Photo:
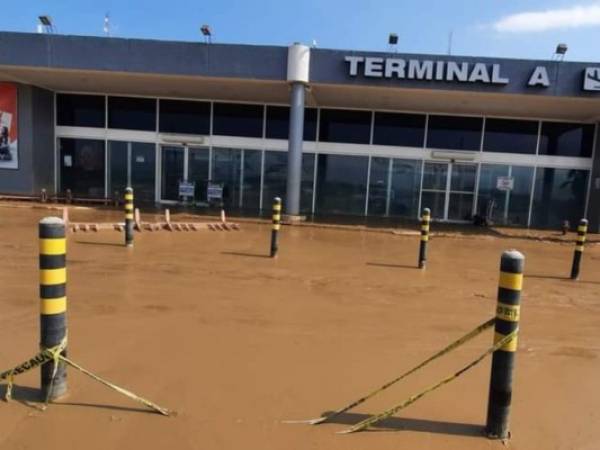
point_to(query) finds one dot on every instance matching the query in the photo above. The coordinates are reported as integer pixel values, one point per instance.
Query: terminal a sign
(452, 71)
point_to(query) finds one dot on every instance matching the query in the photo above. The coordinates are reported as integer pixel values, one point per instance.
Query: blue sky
(509, 28)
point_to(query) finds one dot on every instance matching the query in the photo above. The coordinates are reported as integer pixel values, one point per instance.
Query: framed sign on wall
(9, 155)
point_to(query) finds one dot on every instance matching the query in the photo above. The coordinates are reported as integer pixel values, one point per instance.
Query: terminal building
(332, 132)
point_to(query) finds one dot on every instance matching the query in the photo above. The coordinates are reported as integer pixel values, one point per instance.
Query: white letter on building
(496, 77)
(394, 66)
(420, 70)
(454, 71)
(539, 77)
(439, 70)
(479, 73)
(354, 61)
(374, 67)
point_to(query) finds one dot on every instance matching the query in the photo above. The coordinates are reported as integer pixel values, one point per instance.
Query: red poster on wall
(9, 157)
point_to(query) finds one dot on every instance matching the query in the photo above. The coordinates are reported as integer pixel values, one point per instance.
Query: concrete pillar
(298, 77)
(593, 206)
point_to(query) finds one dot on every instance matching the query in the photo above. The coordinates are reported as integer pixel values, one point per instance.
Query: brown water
(205, 324)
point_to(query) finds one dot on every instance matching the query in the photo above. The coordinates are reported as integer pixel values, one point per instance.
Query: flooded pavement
(206, 324)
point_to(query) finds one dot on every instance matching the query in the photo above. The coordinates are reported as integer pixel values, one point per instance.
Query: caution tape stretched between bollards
(54, 354)
(454, 345)
(384, 415)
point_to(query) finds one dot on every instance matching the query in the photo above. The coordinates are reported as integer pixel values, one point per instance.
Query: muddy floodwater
(205, 324)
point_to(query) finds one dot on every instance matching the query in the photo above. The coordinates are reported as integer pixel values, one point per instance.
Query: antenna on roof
(106, 26)
(450, 36)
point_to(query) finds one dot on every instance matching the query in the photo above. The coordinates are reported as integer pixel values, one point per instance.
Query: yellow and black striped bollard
(425, 221)
(581, 234)
(507, 321)
(53, 301)
(276, 226)
(129, 217)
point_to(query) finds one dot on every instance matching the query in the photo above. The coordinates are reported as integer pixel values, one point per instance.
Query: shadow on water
(417, 425)
(393, 266)
(108, 244)
(248, 255)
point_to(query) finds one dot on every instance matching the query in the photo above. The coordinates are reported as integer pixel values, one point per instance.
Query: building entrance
(449, 190)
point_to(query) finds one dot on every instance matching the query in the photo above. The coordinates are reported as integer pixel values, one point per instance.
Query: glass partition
(378, 186)
(559, 194)
(226, 166)
(251, 181)
(405, 188)
(198, 164)
(82, 167)
(341, 184)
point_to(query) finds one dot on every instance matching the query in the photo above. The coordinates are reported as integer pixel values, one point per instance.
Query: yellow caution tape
(454, 345)
(384, 415)
(54, 354)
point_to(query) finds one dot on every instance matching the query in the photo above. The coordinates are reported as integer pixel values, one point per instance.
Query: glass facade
(232, 119)
(404, 130)
(454, 132)
(566, 139)
(177, 116)
(345, 126)
(341, 184)
(333, 182)
(80, 110)
(82, 167)
(559, 194)
(510, 136)
(132, 113)
(132, 164)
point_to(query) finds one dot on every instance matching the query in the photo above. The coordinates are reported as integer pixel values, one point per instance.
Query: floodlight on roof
(561, 49)
(393, 39)
(45, 20)
(205, 29)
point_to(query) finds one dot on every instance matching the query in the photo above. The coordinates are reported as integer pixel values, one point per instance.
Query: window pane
(460, 206)
(172, 171)
(463, 177)
(80, 110)
(399, 129)
(559, 195)
(177, 116)
(435, 201)
(378, 186)
(198, 171)
(491, 201)
(118, 178)
(82, 167)
(231, 119)
(406, 182)
(341, 184)
(275, 179)
(131, 113)
(435, 176)
(133, 168)
(251, 186)
(339, 125)
(454, 132)
(511, 136)
(278, 123)
(226, 165)
(519, 197)
(566, 139)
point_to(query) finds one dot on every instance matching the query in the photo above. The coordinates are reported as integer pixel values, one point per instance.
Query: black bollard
(507, 321)
(129, 217)
(276, 226)
(425, 221)
(53, 301)
(581, 234)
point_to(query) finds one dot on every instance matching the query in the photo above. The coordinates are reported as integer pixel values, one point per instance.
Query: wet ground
(205, 324)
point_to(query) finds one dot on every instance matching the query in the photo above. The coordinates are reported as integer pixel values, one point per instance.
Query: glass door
(172, 171)
(448, 190)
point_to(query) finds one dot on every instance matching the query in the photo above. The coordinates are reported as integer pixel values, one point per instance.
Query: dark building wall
(593, 211)
(35, 110)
